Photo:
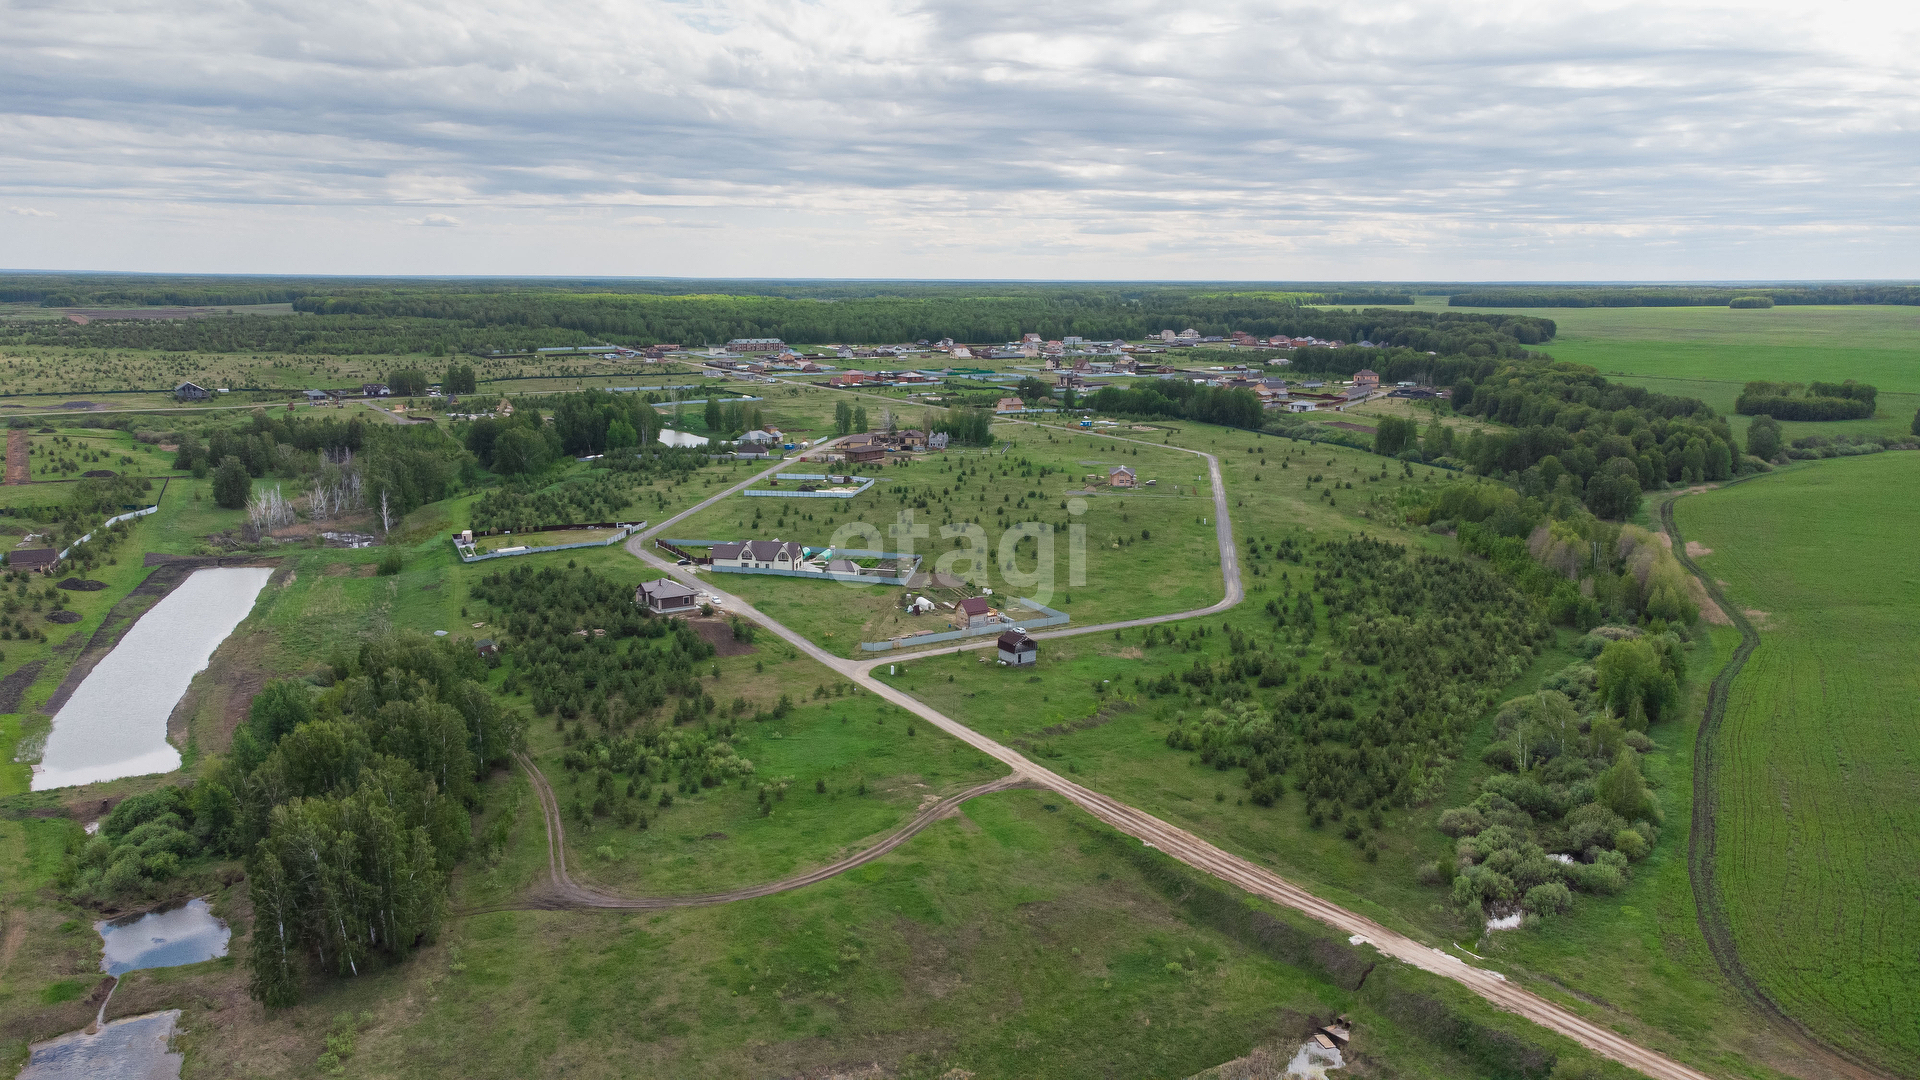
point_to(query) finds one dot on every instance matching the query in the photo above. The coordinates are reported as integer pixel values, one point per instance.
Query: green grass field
(1819, 758)
(1710, 352)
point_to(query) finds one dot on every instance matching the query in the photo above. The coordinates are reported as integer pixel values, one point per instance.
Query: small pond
(115, 724)
(186, 934)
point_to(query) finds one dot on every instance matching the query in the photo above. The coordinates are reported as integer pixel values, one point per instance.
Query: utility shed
(1017, 648)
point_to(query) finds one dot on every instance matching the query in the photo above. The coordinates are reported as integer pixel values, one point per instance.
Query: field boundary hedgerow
(1715, 927)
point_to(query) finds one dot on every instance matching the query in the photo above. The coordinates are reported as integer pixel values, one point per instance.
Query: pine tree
(231, 484)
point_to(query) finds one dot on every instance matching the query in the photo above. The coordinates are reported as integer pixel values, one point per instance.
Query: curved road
(1173, 841)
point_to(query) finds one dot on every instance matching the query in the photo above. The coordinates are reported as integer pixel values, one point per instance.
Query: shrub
(1750, 302)
(1552, 898)
(1631, 844)
(390, 562)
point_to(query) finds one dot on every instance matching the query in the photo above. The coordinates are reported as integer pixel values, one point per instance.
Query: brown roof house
(1121, 476)
(1017, 648)
(1010, 404)
(32, 558)
(664, 596)
(977, 611)
(863, 448)
(1366, 379)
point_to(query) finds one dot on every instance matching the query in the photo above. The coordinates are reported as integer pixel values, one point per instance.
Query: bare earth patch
(719, 634)
(1695, 549)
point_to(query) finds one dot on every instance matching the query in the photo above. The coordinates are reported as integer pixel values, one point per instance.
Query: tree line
(1820, 401)
(413, 320)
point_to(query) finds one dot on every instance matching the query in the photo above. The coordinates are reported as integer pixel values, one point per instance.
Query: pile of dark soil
(63, 616)
(74, 584)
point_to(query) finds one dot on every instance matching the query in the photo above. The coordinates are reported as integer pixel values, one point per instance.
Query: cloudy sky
(963, 138)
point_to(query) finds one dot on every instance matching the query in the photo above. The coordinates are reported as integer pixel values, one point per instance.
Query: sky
(1129, 139)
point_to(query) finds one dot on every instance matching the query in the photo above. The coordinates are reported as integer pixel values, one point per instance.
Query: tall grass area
(1818, 752)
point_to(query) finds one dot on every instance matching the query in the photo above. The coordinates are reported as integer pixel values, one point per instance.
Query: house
(664, 596)
(1017, 648)
(1366, 379)
(32, 559)
(913, 439)
(756, 345)
(187, 391)
(1009, 404)
(505, 408)
(760, 438)
(760, 555)
(863, 448)
(1120, 476)
(1300, 406)
(977, 612)
(315, 397)
(487, 648)
(842, 566)
(374, 389)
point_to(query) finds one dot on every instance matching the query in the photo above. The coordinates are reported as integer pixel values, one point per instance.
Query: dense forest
(148, 290)
(1608, 442)
(417, 318)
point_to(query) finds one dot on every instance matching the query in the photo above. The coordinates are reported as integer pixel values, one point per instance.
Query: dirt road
(564, 893)
(17, 457)
(1181, 844)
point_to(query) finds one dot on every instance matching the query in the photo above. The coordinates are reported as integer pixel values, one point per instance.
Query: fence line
(625, 531)
(862, 485)
(1052, 618)
(110, 523)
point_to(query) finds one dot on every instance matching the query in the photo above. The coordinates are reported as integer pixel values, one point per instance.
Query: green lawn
(1818, 754)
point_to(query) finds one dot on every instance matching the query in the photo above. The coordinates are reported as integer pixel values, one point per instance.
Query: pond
(115, 724)
(186, 934)
(137, 1048)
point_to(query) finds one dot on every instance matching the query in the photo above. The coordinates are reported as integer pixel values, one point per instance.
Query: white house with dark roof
(760, 555)
(1016, 648)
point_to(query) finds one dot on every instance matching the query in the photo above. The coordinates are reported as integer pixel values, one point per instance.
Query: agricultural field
(1710, 352)
(1816, 753)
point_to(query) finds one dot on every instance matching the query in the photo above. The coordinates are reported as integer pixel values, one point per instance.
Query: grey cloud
(1417, 122)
